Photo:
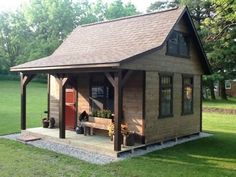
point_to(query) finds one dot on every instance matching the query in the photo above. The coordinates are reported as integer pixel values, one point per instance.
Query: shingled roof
(109, 42)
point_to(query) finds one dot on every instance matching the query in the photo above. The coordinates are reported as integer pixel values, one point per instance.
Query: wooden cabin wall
(160, 129)
(133, 102)
(83, 93)
(54, 99)
(159, 61)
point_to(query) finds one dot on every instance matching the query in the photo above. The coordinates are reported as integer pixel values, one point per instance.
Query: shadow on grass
(218, 151)
(231, 101)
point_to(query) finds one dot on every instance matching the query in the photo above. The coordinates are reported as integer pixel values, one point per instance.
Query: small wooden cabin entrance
(70, 111)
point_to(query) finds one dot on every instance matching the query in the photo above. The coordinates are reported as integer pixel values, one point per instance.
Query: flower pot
(45, 124)
(79, 130)
(128, 140)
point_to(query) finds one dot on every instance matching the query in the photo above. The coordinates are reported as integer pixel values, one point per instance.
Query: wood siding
(133, 102)
(159, 61)
(83, 93)
(54, 99)
(160, 129)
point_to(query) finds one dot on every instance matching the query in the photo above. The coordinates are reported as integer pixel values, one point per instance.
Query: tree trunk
(213, 97)
(222, 90)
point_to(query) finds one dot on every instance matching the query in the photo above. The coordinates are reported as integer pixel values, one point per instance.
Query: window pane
(98, 92)
(165, 102)
(188, 95)
(165, 80)
(183, 45)
(173, 43)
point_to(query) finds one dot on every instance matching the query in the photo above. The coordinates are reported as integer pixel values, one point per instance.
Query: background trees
(215, 21)
(36, 30)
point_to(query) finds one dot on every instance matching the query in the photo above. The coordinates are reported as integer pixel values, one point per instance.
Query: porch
(120, 89)
(97, 143)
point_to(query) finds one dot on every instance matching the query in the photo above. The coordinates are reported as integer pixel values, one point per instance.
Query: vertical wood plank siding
(178, 125)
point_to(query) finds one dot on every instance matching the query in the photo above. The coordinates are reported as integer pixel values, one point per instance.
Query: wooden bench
(96, 122)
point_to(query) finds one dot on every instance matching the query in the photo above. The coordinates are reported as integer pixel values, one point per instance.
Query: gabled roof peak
(129, 17)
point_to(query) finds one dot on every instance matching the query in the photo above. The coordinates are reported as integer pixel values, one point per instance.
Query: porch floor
(95, 143)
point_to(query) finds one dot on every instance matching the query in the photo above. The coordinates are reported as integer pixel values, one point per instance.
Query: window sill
(187, 113)
(166, 116)
(179, 56)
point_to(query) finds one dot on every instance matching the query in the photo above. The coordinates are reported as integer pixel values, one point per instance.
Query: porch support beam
(110, 78)
(201, 97)
(24, 79)
(62, 80)
(117, 109)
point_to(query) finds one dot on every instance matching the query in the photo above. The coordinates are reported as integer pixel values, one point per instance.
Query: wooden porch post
(25, 79)
(48, 94)
(201, 95)
(118, 83)
(117, 110)
(62, 126)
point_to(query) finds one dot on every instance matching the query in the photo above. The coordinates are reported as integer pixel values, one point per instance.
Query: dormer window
(178, 44)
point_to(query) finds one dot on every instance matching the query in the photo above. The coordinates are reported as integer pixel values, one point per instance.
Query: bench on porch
(96, 122)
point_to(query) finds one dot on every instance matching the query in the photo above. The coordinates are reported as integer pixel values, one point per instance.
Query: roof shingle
(111, 41)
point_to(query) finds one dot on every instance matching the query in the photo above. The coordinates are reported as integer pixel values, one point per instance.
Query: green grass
(10, 105)
(214, 156)
(219, 103)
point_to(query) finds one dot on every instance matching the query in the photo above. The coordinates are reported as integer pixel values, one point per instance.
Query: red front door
(70, 109)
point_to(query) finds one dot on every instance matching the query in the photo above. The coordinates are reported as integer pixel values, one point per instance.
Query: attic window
(178, 45)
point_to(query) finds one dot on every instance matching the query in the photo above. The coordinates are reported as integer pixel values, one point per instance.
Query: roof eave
(63, 68)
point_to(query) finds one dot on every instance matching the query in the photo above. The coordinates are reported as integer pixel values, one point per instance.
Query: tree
(14, 34)
(36, 30)
(50, 22)
(160, 5)
(117, 9)
(221, 47)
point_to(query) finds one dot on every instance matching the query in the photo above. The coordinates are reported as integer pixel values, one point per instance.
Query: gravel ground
(99, 158)
(67, 150)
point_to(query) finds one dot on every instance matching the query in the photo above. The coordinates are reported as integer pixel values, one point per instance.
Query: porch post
(48, 94)
(201, 97)
(24, 80)
(62, 86)
(117, 110)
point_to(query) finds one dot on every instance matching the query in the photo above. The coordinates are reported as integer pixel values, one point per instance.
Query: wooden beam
(25, 79)
(49, 87)
(144, 106)
(126, 77)
(62, 89)
(201, 95)
(118, 110)
(110, 78)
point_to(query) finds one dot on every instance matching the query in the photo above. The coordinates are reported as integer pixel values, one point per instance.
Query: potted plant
(111, 131)
(45, 122)
(128, 137)
(108, 114)
(94, 113)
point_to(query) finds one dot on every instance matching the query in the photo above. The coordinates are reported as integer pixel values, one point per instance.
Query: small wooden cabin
(147, 69)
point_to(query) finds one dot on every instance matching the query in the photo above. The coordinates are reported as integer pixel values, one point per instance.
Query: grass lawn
(218, 103)
(213, 156)
(10, 105)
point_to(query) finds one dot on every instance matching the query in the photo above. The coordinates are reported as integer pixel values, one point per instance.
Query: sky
(6, 5)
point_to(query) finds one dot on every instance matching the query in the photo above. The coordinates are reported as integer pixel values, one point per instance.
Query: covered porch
(98, 144)
(116, 77)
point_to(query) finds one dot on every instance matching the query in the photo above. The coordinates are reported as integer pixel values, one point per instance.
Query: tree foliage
(37, 29)
(215, 21)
